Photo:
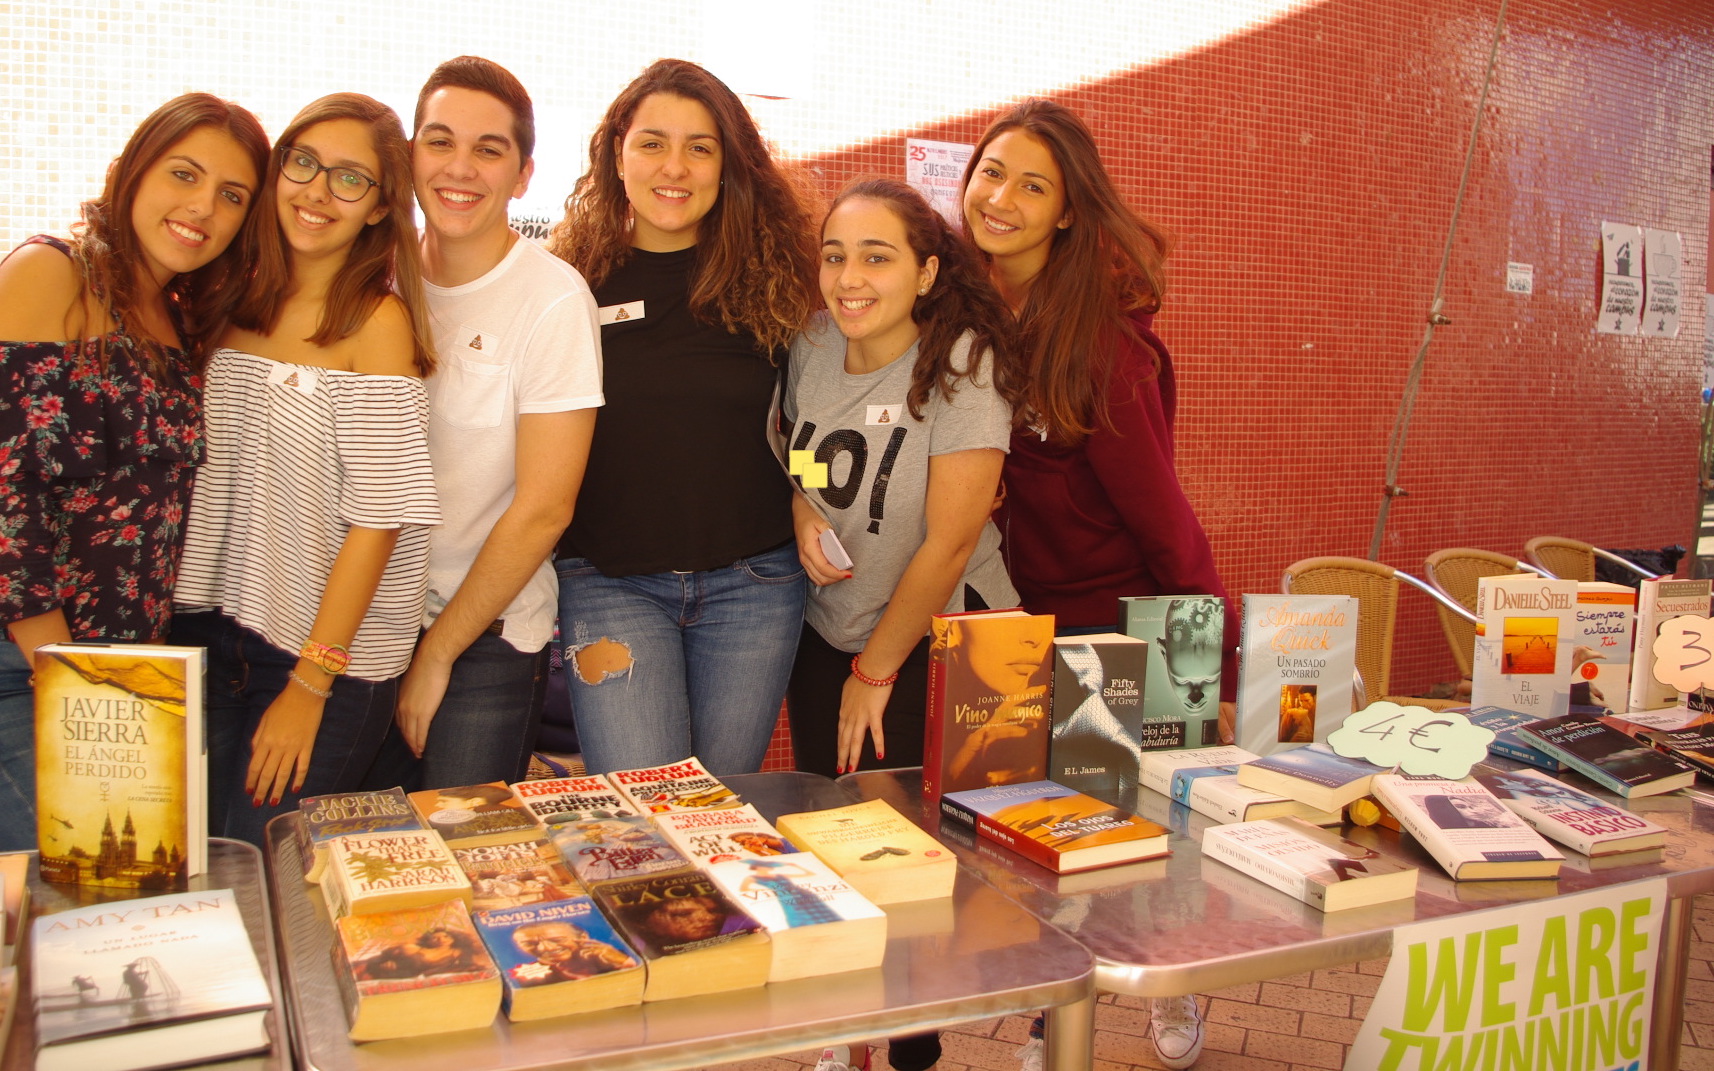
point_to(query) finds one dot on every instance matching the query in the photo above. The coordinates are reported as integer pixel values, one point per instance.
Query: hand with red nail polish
(281, 747)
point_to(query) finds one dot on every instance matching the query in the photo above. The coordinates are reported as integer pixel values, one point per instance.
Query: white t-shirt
(523, 338)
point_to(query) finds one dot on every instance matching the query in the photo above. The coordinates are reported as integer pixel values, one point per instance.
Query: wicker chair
(1454, 573)
(1376, 589)
(1574, 560)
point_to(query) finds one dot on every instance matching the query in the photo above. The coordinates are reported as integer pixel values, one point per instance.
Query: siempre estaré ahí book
(147, 983)
(1570, 816)
(1296, 667)
(1315, 865)
(1186, 635)
(1469, 832)
(121, 797)
(990, 680)
(1057, 827)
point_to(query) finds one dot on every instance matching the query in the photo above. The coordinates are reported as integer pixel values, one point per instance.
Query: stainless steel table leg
(1070, 1041)
(1669, 984)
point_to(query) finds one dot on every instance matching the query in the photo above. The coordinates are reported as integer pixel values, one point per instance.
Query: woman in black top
(681, 594)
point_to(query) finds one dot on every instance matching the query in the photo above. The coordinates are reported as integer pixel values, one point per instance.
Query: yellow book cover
(120, 770)
(872, 841)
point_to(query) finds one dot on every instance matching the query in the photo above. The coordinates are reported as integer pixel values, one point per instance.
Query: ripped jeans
(668, 665)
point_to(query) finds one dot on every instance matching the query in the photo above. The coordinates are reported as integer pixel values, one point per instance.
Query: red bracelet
(871, 681)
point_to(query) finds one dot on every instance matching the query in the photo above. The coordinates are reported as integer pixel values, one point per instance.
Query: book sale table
(977, 955)
(1185, 924)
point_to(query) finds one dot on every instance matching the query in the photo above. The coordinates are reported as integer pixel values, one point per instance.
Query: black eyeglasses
(347, 184)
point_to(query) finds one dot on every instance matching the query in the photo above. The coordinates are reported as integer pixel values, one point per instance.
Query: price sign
(1415, 739)
(1684, 653)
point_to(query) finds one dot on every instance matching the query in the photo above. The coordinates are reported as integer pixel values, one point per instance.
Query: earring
(922, 291)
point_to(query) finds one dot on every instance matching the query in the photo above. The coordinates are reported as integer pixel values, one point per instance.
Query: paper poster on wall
(1662, 255)
(1561, 982)
(1621, 279)
(936, 169)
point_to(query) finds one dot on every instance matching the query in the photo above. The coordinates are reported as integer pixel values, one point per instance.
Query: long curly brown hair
(756, 249)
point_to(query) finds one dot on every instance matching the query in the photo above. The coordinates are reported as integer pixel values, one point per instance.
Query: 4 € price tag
(1415, 739)
(1684, 653)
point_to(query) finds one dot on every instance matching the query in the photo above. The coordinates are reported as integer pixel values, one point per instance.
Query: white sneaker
(844, 1058)
(1178, 1031)
(1031, 1055)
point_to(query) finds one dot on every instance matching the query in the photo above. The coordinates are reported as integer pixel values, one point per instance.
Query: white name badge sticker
(618, 314)
(884, 414)
(296, 377)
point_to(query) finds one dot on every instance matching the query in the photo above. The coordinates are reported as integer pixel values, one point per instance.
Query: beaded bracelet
(871, 681)
(325, 693)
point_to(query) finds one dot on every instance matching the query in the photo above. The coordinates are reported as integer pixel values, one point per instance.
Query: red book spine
(934, 725)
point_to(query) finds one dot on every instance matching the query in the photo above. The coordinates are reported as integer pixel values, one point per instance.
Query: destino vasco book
(817, 922)
(341, 813)
(705, 837)
(692, 937)
(1507, 744)
(1469, 832)
(1205, 779)
(559, 958)
(1601, 643)
(613, 849)
(1056, 827)
(1611, 759)
(1317, 866)
(373, 872)
(1574, 818)
(676, 786)
(1186, 635)
(1295, 669)
(403, 974)
(883, 854)
(1524, 637)
(568, 799)
(989, 683)
(146, 983)
(1658, 601)
(516, 874)
(1097, 723)
(121, 774)
(1316, 775)
(469, 816)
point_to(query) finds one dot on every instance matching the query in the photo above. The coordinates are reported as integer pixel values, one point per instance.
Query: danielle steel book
(1570, 816)
(1315, 775)
(1057, 827)
(147, 983)
(610, 849)
(568, 799)
(404, 974)
(883, 854)
(1611, 759)
(989, 683)
(1469, 832)
(467, 816)
(1524, 638)
(1658, 601)
(340, 813)
(705, 837)
(1315, 865)
(1186, 635)
(1098, 732)
(1296, 666)
(559, 958)
(817, 922)
(121, 770)
(676, 786)
(692, 937)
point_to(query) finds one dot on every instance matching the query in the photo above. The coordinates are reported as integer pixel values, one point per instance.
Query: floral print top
(96, 466)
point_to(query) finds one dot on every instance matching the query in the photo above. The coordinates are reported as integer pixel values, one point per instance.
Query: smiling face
(1015, 202)
(466, 164)
(191, 202)
(314, 222)
(670, 162)
(870, 278)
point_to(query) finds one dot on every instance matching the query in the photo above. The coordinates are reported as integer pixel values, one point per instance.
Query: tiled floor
(1300, 1023)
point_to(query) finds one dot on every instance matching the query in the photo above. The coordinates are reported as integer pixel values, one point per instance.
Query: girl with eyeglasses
(307, 539)
(105, 336)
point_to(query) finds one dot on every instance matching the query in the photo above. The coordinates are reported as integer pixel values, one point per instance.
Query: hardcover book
(1694, 745)
(569, 799)
(613, 849)
(468, 816)
(1524, 637)
(404, 974)
(878, 850)
(340, 813)
(705, 837)
(1468, 831)
(1601, 643)
(121, 770)
(1097, 733)
(817, 922)
(1296, 666)
(559, 958)
(147, 983)
(1181, 688)
(1316, 775)
(1507, 743)
(989, 683)
(677, 786)
(516, 875)
(373, 872)
(1608, 757)
(1319, 867)
(1056, 827)
(1658, 601)
(1581, 822)
(692, 937)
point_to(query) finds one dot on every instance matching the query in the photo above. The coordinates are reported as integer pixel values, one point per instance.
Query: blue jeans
(17, 751)
(245, 674)
(669, 665)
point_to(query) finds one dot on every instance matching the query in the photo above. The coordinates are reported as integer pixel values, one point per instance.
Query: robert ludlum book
(516, 874)
(705, 837)
(1061, 829)
(1608, 757)
(692, 937)
(147, 983)
(1316, 775)
(1206, 780)
(676, 786)
(467, 816)
(1658, 601)
(1572, 817)
(1525, 633)
(1468, 831)
(817, 922)
(883, 854)
(1295, 671)
(408, 973)
(1098, 731)
(611, 849)
(568, 799)
(373, 872)
(559, 958)
(340, 813)
(121, 797)
(990, 676)
(1186, 635)
(1317, 866)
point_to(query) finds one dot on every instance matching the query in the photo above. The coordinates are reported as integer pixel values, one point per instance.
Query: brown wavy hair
(1110, 262)
(755, 262)
(961, 300)
(384, 259)
(108, 255)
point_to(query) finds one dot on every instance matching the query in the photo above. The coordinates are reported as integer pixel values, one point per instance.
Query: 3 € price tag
(1415, 739)
(1684, 653)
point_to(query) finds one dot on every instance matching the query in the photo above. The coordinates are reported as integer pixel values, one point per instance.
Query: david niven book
(705, 837)
(1295, 669)
(990, 675)
(1098, 729)
(408, 973)
(559, 958)
(121, 797)
(1608, 757)
(1574, 818)
(467, 816)
(1524, 640)
(1658, 601)
(516, 874)
(1317, 866)
(1186, 635)
(341, 813)
(1468, 831)
(692, 937)
(1057, 827)
(609, 849)
(676, 786)
(567, 799)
